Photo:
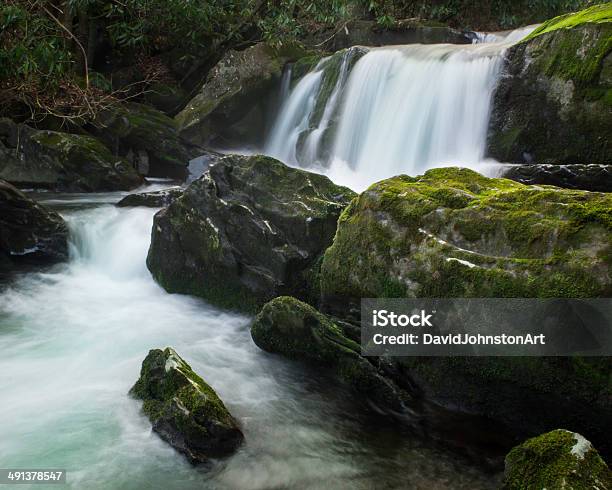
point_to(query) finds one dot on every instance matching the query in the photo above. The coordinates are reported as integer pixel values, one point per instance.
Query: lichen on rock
(184, 410)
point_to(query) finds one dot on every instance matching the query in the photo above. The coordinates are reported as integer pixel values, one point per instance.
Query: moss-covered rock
(146, 137)
(454, 233)
(183, 409)
(61, 161)
(553, 103)
(28, 231)
(559, 459)
(296, 330)
(231, 107)
(245, 232)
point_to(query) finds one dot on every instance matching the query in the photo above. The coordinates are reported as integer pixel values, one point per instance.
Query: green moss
(557, 459)
(596, 14)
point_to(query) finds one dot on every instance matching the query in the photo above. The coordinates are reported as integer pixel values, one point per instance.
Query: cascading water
(73, 337)
(398, 109)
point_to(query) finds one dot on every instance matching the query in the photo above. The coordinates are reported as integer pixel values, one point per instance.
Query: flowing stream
(73, 337)
(392, 110)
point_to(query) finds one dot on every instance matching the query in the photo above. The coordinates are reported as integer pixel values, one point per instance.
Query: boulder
(28, 231)
(296, 330)
(154, 199)
(184, 410)
(558, 459)
(233, 104)
(146, 137)
(455, 233)
(553, 103)
(250, 229)
(596, 178)
(61, 161)
(370, 33)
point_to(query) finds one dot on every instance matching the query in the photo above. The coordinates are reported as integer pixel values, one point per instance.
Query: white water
(72, 339)
(402, 109)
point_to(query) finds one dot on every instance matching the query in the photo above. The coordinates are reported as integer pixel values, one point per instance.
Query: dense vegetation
(62, 57)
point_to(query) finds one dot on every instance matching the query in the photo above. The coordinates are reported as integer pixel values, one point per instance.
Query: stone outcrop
(553, 103)
(29, 232)
(233, 104)
(184, 410)
(61, 161)
(250, 229)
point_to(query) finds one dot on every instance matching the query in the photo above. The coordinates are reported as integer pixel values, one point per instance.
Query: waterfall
(365, 114)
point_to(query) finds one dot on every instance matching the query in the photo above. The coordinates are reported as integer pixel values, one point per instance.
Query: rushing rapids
(398, 109)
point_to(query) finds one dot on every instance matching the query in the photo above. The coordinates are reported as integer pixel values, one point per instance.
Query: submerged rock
(233, 103)
(248, 230)
(154, 199)
(61, 161)
(184, 410)
(455, 233)
(28, 231)
(553, 101)
(557, 460)
(296, 330)
(596, 178)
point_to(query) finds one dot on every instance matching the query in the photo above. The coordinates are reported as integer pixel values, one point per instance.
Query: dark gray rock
(155, 199)
(184, 410)
(248, 230)
(29, 232)
(597, 178)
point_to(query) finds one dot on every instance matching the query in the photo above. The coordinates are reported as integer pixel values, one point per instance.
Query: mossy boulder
(28, 231)
(597, 178)
(184, 410)
(146, 137)
(246, 231)
(454, 233)
(61, 161)
(553, 103)
(559, 459)
(233, 103)
(296, 330)
(153, 199)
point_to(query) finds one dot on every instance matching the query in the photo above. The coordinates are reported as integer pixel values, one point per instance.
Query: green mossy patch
(557, 459)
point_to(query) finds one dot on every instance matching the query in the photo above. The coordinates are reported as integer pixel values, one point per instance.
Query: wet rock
(29, 233)
(455, 233)
(155, 199)
(552, 104)
(296, 330)
(184, 410)
(596, 178)
(232, 106)
(248, 230)
(558, 459)
(61, 161)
